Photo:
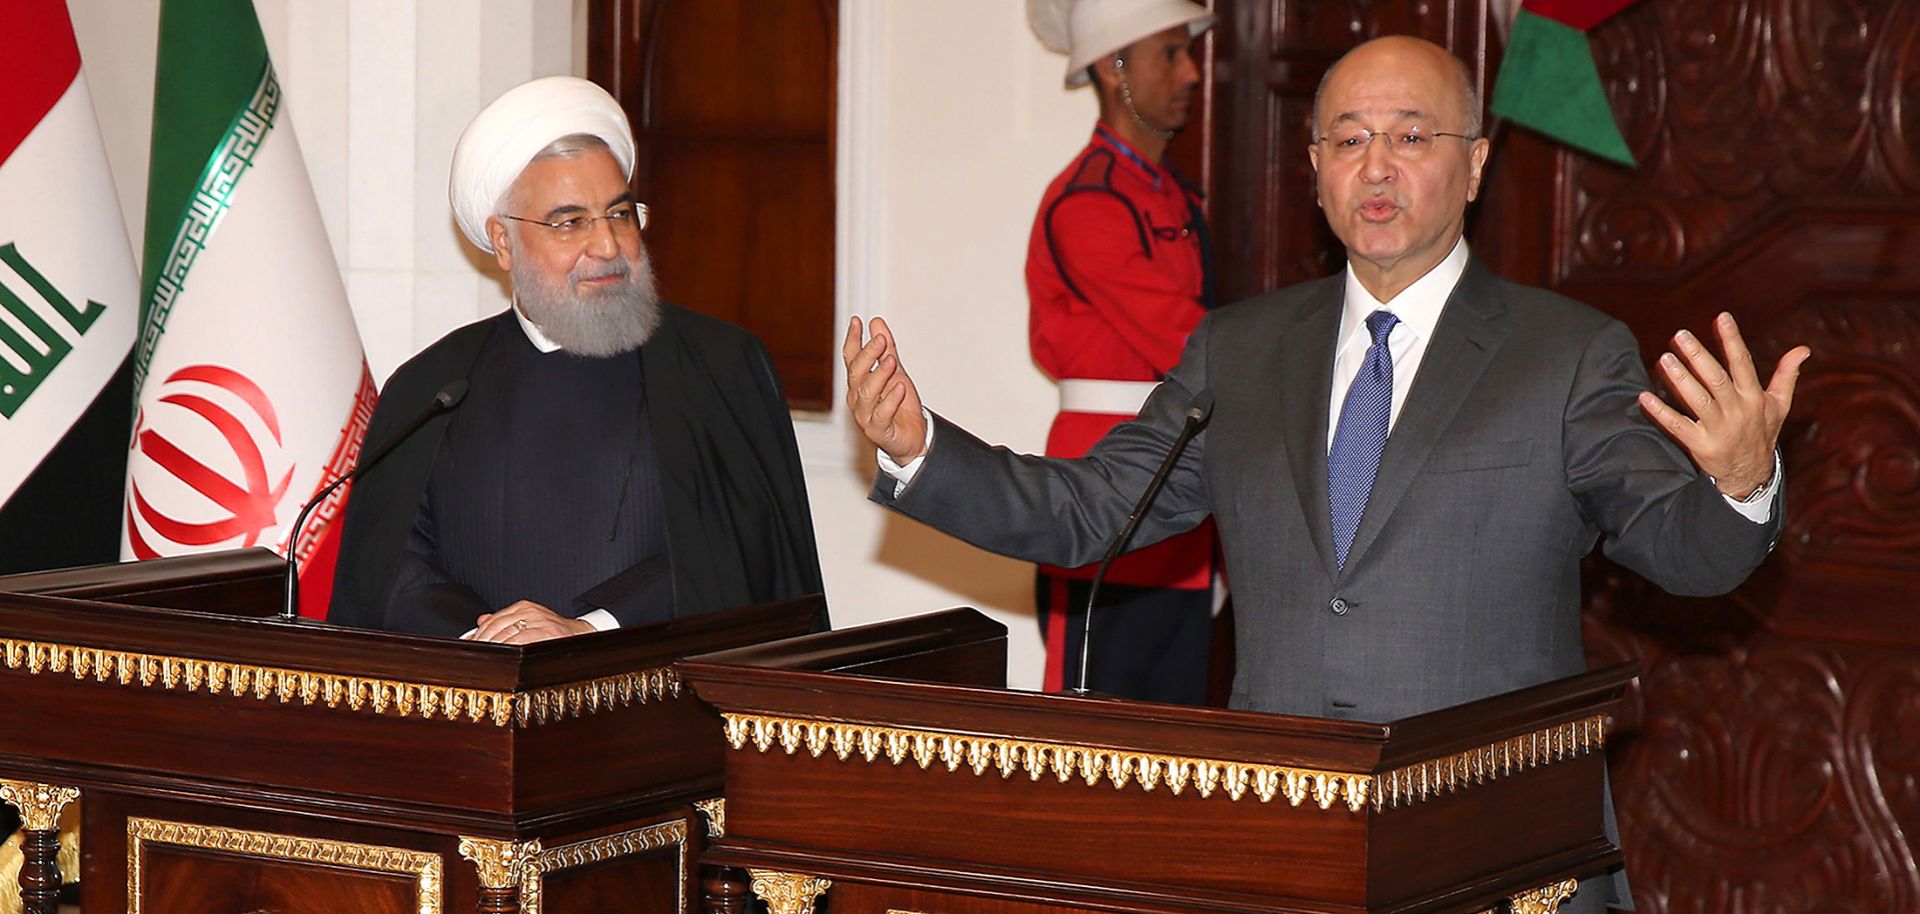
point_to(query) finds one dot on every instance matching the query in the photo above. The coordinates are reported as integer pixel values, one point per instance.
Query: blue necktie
(1360, 436)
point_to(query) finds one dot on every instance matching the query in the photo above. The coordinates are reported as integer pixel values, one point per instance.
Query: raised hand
(880, 396)
(1735, 422)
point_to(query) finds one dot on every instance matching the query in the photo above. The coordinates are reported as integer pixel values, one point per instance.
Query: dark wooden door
(1771, 762)
(732, 104)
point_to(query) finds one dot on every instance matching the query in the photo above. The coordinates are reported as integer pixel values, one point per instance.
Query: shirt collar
(534, 336)
(1419, 305)
(1132, 156)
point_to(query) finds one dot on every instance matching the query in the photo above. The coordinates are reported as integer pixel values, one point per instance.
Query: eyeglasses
(1405, 142)
(625, 219)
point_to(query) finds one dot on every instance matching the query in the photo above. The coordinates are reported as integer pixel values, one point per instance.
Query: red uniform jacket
(1117, 277)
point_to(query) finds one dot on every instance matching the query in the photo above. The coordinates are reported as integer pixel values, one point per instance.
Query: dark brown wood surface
(269, 769)
(1028, 838)
(244, 582)
(732, 105)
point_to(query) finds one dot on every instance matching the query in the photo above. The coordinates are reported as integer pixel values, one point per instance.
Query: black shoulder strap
(1094, 176)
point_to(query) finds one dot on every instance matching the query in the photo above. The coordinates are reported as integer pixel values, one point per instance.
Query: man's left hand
(1736, 422)
(526, 622)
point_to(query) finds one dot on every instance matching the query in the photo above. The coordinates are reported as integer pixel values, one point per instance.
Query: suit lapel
(1303, 392)
(1470, 331)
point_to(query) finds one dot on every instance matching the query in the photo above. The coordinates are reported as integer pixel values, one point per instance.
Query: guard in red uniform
(1118, 274)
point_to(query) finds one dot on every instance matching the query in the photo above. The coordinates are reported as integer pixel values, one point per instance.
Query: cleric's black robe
(728, 469)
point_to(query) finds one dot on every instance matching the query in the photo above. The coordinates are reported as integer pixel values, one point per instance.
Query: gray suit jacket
(1520, 444)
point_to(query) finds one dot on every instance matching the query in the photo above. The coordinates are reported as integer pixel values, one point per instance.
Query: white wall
(953, 119)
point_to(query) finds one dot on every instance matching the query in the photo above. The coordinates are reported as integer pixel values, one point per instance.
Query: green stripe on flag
(211, 70)
(1548, 82)
(212, 197)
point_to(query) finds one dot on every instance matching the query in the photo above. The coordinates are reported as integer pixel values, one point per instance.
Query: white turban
(507, 134)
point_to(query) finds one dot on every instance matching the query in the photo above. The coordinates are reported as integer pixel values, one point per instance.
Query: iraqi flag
(253, 392)
(68, 304)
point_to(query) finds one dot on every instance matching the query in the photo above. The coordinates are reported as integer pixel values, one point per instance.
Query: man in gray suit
(1406, 461)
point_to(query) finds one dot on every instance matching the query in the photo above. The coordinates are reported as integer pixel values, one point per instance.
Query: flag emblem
(226, 466)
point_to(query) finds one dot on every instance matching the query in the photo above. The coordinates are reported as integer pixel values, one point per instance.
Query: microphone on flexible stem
(444, 401)
(1197, 413)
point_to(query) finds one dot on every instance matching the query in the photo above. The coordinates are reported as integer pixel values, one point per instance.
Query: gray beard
(604, 322)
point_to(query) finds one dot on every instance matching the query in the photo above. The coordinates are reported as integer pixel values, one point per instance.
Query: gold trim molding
(422, 866)
(1479, 765)
(1094, 764)
(354, 693)
(39, 804)
(1091, 764)
(1543, 900)
(715, 809)
(659, 836)
(787, 893)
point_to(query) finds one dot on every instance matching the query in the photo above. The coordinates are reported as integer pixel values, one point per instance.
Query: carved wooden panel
(1774, 765)
(1735, 109)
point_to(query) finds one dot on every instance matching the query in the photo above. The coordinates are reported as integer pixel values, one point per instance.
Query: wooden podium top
(1132, 806)
(239, 707)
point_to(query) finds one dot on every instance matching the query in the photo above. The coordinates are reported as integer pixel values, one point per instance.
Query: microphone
(444, 401)
(1197, 413)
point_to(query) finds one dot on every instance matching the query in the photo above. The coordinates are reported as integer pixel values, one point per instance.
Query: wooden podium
(894, 796)
(233, 763)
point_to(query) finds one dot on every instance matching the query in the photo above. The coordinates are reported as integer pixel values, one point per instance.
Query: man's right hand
(881, 397)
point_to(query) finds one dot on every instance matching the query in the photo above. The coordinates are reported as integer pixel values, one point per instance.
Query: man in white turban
(1117, 277)
(615, 459)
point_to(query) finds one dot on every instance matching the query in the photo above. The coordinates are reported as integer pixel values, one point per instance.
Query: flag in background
(67, 304)
(1548, 80)
(253, 392)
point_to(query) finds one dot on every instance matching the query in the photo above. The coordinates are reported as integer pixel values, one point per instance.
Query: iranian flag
(252, 390)
(67, 304)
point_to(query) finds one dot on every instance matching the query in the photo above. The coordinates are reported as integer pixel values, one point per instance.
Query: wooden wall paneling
(732, 104)
(1773, 760)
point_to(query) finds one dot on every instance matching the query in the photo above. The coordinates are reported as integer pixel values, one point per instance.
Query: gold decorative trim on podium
(422, 866)
(1543, 900)
(1090, 764)
(1485, 763)
(39, 804)
(787, 893)
(1095, 764)
(715, 810)
(354, 693)
(501, 864)
(661, 835)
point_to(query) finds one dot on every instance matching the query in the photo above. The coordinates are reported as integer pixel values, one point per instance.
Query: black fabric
(68, 510)
(729, 480)
(1149, 643)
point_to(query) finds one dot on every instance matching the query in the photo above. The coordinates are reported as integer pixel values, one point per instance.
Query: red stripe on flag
(1580, 14)
(38, 61)
(316, 574)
